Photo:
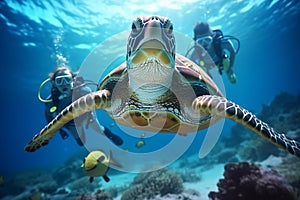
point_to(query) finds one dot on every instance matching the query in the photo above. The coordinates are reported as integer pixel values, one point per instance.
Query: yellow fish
(97, 164)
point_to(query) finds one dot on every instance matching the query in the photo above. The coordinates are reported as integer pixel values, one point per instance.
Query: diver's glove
(64, 135)
(114, 138)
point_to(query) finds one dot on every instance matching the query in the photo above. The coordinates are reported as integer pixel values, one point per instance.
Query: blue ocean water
(36, 35)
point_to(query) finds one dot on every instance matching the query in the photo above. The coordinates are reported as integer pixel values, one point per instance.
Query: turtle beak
(152, 49)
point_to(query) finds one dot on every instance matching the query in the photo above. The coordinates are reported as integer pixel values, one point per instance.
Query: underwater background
(36, 36)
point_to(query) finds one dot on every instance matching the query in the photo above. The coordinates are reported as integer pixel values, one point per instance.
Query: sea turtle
(151, 91)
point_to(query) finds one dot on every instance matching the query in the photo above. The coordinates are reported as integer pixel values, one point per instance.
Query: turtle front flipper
(87, 103)
(220, 106)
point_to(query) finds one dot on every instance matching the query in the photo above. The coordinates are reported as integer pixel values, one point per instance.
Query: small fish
(139, 144)
(97, 164)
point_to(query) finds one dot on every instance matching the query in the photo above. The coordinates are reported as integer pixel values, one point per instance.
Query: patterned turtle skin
(156, 89)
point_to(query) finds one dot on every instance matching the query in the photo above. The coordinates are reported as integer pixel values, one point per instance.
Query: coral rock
(244, 181)
(148, 185)
(98, 195)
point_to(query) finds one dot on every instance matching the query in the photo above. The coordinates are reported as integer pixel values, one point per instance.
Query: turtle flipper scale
(222, 107)
(87, 103)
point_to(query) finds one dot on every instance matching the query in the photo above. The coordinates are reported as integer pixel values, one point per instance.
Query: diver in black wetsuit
(219, 48)
(64, 83)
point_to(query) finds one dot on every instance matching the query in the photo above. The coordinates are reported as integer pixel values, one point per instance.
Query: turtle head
(150, 55)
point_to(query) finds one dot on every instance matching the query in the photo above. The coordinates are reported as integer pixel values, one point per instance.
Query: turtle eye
(136, 26)
(168, 27)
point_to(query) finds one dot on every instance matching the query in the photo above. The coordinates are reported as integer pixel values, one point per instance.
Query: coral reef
(69, 172)
(82, 186)
(148, 185)
(283, 112)
(24, 184)
(115, 191)
(186, 195)
(98, 195)
(248, 146)
(258, 149)
(290, 169)
(189, 175)
(246, 181)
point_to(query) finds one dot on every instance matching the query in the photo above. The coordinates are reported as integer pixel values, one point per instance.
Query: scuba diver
(65, 86)
(219, 47)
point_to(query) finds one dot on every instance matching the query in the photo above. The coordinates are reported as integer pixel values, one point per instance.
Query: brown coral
(148, 185)
(244, 181)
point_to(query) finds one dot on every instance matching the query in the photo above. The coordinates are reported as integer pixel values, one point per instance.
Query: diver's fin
(106, 178)
(91, 179)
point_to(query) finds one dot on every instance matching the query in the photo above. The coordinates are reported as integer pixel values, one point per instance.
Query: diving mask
(63, 80)
(204, 41)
